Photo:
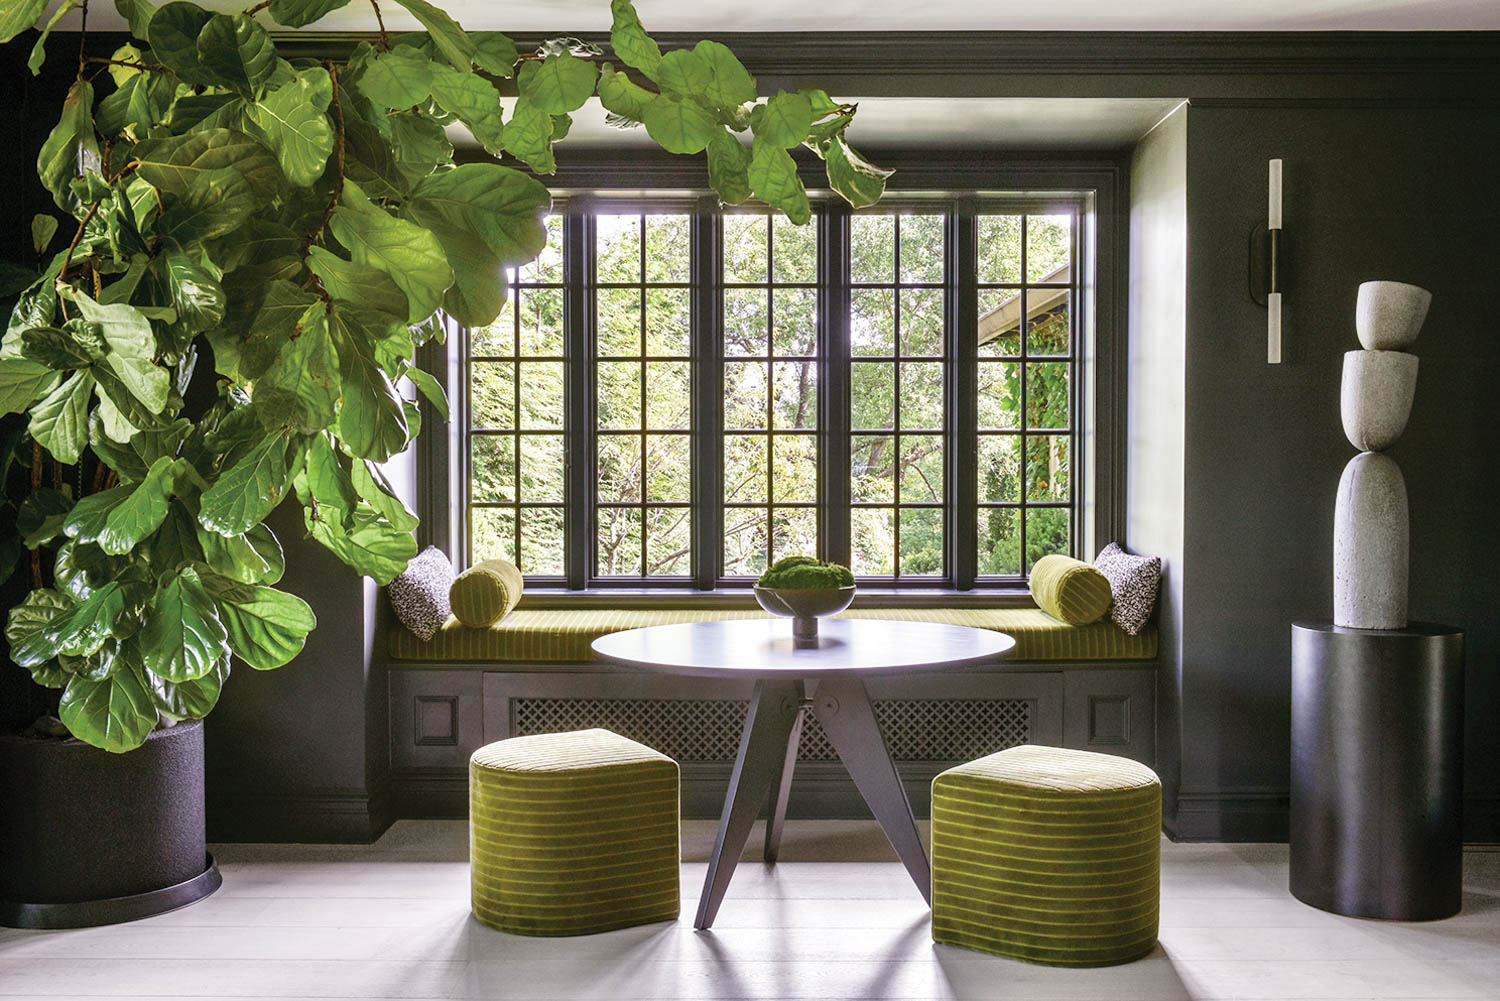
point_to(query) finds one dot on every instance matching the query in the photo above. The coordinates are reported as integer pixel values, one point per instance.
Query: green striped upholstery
(1070, 590)
(560, 635)
(486, 592)
(1047, 855)
(572, 833)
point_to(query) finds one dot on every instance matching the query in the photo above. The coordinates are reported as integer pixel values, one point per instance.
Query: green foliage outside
(254, 247)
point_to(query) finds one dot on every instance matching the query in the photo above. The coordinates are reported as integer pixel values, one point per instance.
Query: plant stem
(252, 11)
(68, 260)
(83, 35)
(385, 40)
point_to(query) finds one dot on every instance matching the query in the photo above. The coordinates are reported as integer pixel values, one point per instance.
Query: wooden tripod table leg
(842, 705)
(781, 790)
(775, 708)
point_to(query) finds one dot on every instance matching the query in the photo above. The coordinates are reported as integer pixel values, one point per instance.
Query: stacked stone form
(1371, 531)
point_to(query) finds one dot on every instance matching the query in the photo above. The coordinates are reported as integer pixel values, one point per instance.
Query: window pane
(999, 467)
(872, 248)
(873, 542)
(796, 311)
(668, 322)
(922, 395)
(1047, 331)
(668, 395)
(922, 468)
(745, 541)
(618, 550)
(872, 322)
(547, 269)
(497, 339)
(541, 468)
(1047, 467)
(492, 467)
(796, 250)
(794, 532)
(619, 385)
(999, 541)
(669, 248)
(542, 394)
(619, 468)
(541, 319)
(796, 394)
(1049, 244)
(745, 321)
(922, 248)
(492, 395)
(668, 549)
(796, 468)
(999, 322)
(619, 322)
(999, 395)
(745, 468)
(745, 247)
(923, 322)
(669, 467)
(1047, 532)
(873, 469)
(492, 534)
(921, 541)
(745, 394)
(999, 248)
(618, 248)
(542, 541)
(1047, 395)
(872, 390)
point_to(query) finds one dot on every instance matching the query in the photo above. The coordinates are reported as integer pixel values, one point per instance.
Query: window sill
(926, 597)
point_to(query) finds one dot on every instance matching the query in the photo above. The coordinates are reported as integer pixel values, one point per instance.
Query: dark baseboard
(1482, 819)
(322, 816)
(1262, 814)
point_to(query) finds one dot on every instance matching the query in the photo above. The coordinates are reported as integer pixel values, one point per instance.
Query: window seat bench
(1090, 687)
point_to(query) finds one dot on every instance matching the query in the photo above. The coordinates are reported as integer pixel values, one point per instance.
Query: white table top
(763, 648)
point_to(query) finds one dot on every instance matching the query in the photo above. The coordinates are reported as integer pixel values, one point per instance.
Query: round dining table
(828, 680)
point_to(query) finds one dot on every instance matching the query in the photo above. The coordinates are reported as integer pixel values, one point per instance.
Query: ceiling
(932, 15)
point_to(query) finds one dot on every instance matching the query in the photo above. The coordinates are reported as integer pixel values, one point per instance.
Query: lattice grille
(709, 729)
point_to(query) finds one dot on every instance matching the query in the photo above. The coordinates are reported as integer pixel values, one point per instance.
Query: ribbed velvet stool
(1047, 855)
(572, 833)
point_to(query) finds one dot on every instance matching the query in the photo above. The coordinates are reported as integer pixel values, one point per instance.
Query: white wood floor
(391, 920)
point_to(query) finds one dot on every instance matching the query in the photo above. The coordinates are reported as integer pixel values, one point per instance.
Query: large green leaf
(684, 74)
(197, 295)
(39, 50)
(89, 516)
(352, 285)
(528, 137)
(503, 207)
(621, 95)
(216, 202)
(409, 254)
(188, 699)
(294, 122)
(132, 346)
(27, 624)
(40, 518)
(275, 321)
(17, 16)
(732, 84)
(851, 175)
(266, 627)
(252, 558)
(473, 99)
(23, 382)
(728, 167)
(680, 126)
(376, 490)
(494, 52)
(558, 84)
(131, 109)
(630, 41)
(59, 422)
(248, 490)
(300, 390)
(137, 14)
(296, 13)
(429, 387)
(83, 628)
(372, 421)
(173, 34)
(325, 483)
(449, 38)
(399, 78)
(140, 514)
(236, 52)
(370, 547)
(69, 147)
(173, 163)
(182, 638)
(783, 121)
(773, 179)
(115, 714)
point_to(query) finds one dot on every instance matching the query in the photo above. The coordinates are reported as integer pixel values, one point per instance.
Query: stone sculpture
(1371, 531)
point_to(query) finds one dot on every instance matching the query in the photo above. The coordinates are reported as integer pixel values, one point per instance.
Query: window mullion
(578, 436)
(963, 395)
(833, 374)
(707, 351)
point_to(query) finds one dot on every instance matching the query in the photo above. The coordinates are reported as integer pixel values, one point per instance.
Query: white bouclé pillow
(1133, 582)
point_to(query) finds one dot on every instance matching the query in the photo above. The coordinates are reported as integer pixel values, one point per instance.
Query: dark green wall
(1401, 193)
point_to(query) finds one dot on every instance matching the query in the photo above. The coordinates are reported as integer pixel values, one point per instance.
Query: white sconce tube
(1273, 290)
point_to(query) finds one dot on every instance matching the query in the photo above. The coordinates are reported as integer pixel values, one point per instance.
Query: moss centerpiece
(805, 589)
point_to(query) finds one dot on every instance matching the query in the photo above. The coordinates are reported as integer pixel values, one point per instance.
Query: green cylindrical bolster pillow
(486, 592)
(1066, 589)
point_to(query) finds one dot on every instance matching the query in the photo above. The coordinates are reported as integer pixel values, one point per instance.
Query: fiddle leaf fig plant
(257, 246)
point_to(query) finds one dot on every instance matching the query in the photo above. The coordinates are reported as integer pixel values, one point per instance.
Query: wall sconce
(1265, 265)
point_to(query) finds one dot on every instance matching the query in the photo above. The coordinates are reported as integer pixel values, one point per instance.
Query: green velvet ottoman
(1047, 855)
(572, 833)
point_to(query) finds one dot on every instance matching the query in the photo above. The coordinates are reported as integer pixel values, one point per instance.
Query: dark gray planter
(95, 838)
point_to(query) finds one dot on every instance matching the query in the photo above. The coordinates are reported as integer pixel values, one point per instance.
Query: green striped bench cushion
(572, 833)
(548, 635)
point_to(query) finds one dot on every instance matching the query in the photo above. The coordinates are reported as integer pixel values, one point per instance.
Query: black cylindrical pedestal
(1377, 768)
